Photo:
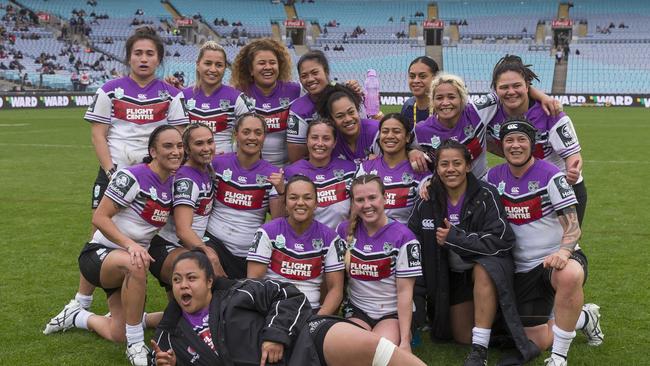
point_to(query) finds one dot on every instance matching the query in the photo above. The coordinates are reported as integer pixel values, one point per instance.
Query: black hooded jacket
(483, 236)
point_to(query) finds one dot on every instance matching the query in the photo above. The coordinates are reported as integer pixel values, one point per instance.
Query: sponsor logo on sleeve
(183, 188)
(485, 101)
(413, 255)
(256, 241)
(340, 247)
(91, 107)
(292, 125)
(122, 183)
(567, 135)
(563, 187)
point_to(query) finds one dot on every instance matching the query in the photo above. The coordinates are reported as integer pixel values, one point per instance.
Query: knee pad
(383, 352)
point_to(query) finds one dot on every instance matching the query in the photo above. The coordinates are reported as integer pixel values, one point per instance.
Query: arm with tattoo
(569, 221)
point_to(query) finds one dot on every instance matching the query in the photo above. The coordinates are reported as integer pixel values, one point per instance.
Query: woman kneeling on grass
(214, 321)
(136, 205)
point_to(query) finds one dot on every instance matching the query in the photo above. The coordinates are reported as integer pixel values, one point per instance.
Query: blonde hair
(208, 46)
(455, 81)
(241, 77)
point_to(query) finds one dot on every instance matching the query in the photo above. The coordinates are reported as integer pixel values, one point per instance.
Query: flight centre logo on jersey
(413, 255)
(256, 241)
(122, 183)
(533, 185)
(567, 135)
(563, 187)
(183, 188)
(190, 103)
(435, 141)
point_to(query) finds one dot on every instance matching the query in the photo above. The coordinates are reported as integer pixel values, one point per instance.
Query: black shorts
(461, 287)
(351, 311)
(101, 182)
(535, 294)
(159, 249)
(234, 266)
(91, 259)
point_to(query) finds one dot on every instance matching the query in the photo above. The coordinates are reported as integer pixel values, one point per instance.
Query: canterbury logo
(428, 224)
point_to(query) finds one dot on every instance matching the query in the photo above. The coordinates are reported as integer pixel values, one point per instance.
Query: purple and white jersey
(454, 212)
(332, 187)
(376, 262)
(366, 143)
(556, 138)
(301, 113)
(218, 111)
(133, 112)
(469, 130)
(401, 184)
(532, 202)
(145, 204)
(193, 188)
(275, 110)
(241, 201)
(298, 259)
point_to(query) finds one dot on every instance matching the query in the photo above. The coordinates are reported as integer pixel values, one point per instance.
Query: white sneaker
(592, 327)
(555, 361)
(65, 319)
(138, 354)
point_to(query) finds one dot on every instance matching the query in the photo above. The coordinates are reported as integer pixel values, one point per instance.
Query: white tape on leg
(383, 353)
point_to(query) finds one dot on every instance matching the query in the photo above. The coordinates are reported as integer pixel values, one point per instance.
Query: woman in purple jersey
(136, 205)
(421, 72)
(210, 101)
(262, 70)
(193, 200)
(311, 251)
(466, 259)
(331, 175)
(557, 140)
(215, 321)
(382, 261)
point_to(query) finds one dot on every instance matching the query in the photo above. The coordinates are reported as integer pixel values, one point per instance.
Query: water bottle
(371, 101)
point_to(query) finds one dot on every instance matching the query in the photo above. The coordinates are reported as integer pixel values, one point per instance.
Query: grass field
(47, 166)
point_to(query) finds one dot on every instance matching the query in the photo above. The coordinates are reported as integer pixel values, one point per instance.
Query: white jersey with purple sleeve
(366, 143)
(194, 188)
(275, 110)
(301, 113)
(218, 111)
(241, 201)
(532, 202)
(376, 262)
(332, 187)
(145, 204)
(298, 259)
(401, 184)
(133, 112)
(556, 138)
(470, 130)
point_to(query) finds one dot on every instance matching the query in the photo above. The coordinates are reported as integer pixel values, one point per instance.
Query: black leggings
(581, 195)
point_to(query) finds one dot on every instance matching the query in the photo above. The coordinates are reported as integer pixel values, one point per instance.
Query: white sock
(582, 320)
(481, 336)
(144, 320)
(562, 341)
(81, 319)
(134, 333)
(84, 300)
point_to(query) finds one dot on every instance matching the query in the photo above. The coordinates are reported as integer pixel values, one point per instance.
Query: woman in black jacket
(216, 321)
(466, 260)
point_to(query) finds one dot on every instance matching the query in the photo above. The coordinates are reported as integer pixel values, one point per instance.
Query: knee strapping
(383, 353)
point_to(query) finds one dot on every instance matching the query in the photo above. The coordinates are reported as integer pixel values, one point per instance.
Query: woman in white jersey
(300, 250)
(136, 205)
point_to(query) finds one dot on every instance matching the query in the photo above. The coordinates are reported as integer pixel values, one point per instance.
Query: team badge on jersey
(339, 174)
(163, 94)
(153, 193)
(226, 175)
(250, 102)
(191, 103)
(413, 255)
(224, 104)
(495, 130)
(280, 242)
(501, 187)
(260, 179)
(407, 178)
(435, 141)
(388, 247)
(468, 130)
(533, 185)
(317, 243)
(119, 93)
(284, 102)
